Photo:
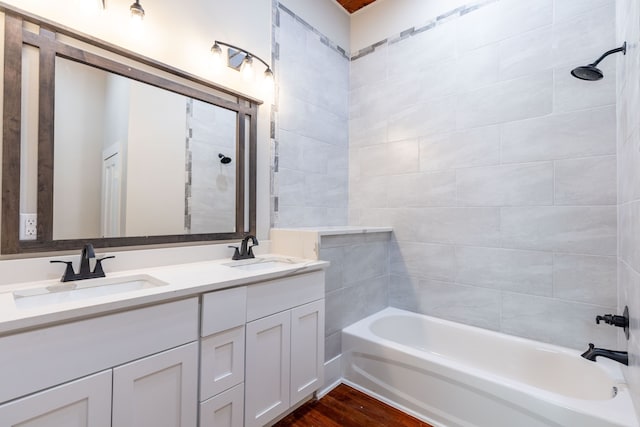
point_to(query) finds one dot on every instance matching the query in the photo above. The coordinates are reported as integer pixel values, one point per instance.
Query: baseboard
(332, 375)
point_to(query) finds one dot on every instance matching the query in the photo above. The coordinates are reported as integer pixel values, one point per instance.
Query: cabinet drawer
(266, 298)
(221, 362)
(45, 357)
(224, 410)
(222, 310)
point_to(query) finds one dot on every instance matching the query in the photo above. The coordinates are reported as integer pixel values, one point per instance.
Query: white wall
(386, 18)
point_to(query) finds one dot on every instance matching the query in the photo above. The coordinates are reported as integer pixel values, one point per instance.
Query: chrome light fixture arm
(216, 48)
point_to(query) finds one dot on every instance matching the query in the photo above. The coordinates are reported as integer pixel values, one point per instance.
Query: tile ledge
(340, 230)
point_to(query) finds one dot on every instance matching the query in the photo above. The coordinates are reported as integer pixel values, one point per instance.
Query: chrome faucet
(85, 269)
(618, 356)
(245, 251)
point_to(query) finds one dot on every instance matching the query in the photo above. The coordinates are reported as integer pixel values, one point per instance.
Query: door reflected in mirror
(132, 159)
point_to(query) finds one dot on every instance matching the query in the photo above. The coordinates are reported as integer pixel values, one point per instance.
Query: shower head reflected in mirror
(591, 72)
(224, 159)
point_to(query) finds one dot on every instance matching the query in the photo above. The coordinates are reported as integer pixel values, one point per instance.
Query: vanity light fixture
(246, 68)
(137, 12)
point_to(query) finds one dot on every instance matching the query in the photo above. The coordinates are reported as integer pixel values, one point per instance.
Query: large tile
(506, 185)
(585, 181)
(559, 136)
(583, 278)
(426, 260)
(568, 9)
(436, 116)
(365, 298)
(478, 68)
(403, 157)
(403, 292)
(373, 160)
(467, 226)
(554, 321)
(369, 191)
(333, 274)
(519, 271)
(335, 306)
(473, 147)
(526, 54)
(422, 189)
(629, 168)
(516, 99)
(365, 261)
(465, 304)
(501, 20)
(629, 235)
(585, 230)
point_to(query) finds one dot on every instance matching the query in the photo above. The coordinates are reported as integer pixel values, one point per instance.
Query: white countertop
(183, 280)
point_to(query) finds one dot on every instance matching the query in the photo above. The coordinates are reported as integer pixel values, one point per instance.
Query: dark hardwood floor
(345, 406)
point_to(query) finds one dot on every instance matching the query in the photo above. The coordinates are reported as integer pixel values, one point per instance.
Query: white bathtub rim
(613, 369)
(619, 409)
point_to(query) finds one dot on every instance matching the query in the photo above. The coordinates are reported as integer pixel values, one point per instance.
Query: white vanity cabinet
(69, 374)
(222, 355)
(285, 345)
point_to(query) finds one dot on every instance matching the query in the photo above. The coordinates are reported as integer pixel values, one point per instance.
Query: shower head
(587, 72)
(224, 159)
(591, 72)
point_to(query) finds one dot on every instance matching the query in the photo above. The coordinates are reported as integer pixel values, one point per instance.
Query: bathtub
(449, 374)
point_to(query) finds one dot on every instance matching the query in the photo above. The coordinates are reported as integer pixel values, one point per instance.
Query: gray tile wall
(496, 168)
(311, 157)
(357, 281)
(628, 103)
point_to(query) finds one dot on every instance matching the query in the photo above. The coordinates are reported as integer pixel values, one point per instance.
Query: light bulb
(268, 79)
(246, 69)
(216, 53)
(137, 12)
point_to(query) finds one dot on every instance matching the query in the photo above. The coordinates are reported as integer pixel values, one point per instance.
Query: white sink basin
(258, 264)
(81, 290)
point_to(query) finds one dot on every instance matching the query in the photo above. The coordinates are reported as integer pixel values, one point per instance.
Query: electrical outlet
(28, 226)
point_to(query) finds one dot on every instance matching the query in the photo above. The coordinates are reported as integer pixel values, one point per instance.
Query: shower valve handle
(613, 319)
(616, 320)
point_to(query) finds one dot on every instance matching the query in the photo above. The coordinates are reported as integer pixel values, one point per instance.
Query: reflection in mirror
(132, 159)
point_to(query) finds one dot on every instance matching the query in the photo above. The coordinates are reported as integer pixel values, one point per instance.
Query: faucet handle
(68, 274)
(236, 253)
(97, 270)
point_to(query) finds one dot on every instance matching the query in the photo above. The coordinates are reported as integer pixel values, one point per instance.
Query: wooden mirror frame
(166, 77)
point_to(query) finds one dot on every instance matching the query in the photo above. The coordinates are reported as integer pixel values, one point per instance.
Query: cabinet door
(82, 403)
(267, 368)
(157, 391)
(221, 362)
(307, 350)
(224, 410)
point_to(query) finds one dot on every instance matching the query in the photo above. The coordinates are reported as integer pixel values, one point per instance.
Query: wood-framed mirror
(103, 145)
